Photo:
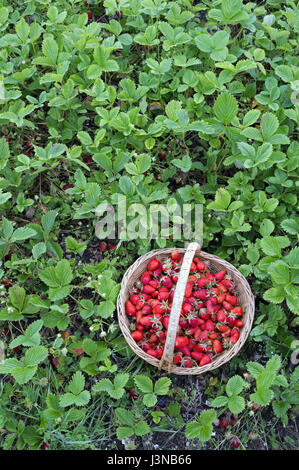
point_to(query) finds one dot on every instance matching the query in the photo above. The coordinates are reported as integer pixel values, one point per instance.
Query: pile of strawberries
(210, 316)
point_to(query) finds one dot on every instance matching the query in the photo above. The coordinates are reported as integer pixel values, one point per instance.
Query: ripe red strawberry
(6, 282)
(161, 334)
(146, 321)
(201, 265)
(197, 355)
(221, 317)
(153, 264)
(185, 350)
(144, 345)
(177, 358)
(226, 333)
(153, 338)
(189, 288)
(232, 299)
(210, 306)
(231, 321)
(156, 321)
(162, 155)
(165, 322)
(55, 361)
(145, 278)
(137, 335)
(200, 294)
(194, 322)
(130, 308)
(103, 246)
(134, 298)
(166, 266)
(152, 352)
(235, 442)
(88, 159)
(220, 298)
(214, 317)
(160, 350)
(187, 307)
(193, 267)
(132, 393)
(228, 283)
(139, 315)
(232, 340)
(204, 314)
(157, 272)
(221, 327)
(223, 423)
(163, 294)
(227, 306)
(213, 335)
(89, 14)
(210, 276)
(140, 304)
(235, 332)
(198, 305)
(213, 300)
(181, 341)
(217, 348)
(166, 282)
(186, 362)
(220, 275)
(183, 322)
(203, 281)
(222, 288)
(153, 302)
(175, 255)
(201, 335)
(147, 289)
(209, 326)
(205, 360)
(192, 341)
(238, 311)
(190, 300)
(154, 283)
(159, 309)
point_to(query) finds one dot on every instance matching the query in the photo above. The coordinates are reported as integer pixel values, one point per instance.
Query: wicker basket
(245, 296)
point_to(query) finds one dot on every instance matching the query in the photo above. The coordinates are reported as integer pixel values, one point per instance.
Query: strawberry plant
(151, 391)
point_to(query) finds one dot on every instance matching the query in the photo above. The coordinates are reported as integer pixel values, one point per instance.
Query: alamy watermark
(2, 352)
(137, 221)
(295, 354)
(2, 91)
(295, 93)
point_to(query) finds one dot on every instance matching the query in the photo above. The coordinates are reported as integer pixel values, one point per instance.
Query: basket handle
(177, 303)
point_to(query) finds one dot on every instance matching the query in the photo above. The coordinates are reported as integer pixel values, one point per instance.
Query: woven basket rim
(226, 355)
